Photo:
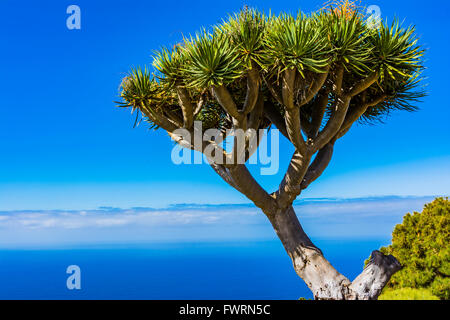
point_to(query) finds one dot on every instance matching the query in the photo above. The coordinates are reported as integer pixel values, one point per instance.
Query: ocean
(213, 270)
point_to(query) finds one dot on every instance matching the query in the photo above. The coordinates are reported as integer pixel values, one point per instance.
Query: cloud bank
(321, 218)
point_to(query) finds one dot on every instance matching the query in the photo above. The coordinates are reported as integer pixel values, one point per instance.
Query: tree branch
(275, 117)
(314, 88)
(253, 85)
(305, 124)
(217, 152)
(273, 91)
(363, 84)
(200, 104)
(290, 186)
(319, 165)
(225, 99)
(357, 112)
(339, 78)
(256, 115)
(369, 284)
(334, 123)
(251, 189)
(294, 130)
(287, 90)
(159, 119)
(223, 172)
(186, 107)
(318, 113)
(173, 117)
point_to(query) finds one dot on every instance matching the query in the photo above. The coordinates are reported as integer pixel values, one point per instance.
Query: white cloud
(369, 217)
(111, 217)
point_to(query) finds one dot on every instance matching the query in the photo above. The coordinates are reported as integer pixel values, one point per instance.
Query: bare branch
(253, 85)
(223, 172)
(200, 104)
(186, 107)
(256, 115)
(318, 112)
(334, 123)
(290, 186)
(357, 112)
(292, 113)
(275, 117)
(363, 84)
(173, 117)
(294, 130)
(319, 165)
(314, 88)
(369, 284)
(157, 118)
(273, 92)
(288, 88)
(305, 124)
(251, 189)
(339, 78)
(214, 149)
(225, 99)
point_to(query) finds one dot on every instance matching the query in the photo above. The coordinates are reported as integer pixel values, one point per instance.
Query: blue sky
(63, 144)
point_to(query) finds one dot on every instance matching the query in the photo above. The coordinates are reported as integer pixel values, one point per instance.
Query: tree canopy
(252, 45)
(420, 243)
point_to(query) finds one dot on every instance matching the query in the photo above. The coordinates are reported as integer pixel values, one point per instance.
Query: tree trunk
(321, 277)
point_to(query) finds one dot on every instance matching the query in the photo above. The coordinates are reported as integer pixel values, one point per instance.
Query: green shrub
(407, 294)
(421, 244)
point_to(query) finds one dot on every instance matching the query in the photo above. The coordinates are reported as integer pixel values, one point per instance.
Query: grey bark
(321, 277)
(369, 284)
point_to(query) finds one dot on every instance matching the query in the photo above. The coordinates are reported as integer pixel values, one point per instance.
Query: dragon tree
(310, 76)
